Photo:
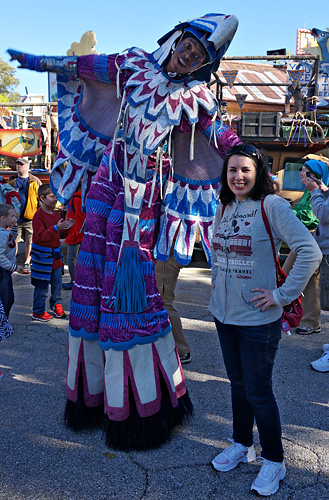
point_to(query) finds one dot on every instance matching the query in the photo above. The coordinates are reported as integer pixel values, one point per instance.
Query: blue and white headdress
(214, 31)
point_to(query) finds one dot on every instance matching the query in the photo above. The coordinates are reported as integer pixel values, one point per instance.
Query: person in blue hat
(317, 184)
(311, 322)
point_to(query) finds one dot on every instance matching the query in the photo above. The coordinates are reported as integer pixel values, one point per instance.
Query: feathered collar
(163, 94)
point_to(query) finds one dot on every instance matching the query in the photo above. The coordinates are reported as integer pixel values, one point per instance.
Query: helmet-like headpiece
(214, 31)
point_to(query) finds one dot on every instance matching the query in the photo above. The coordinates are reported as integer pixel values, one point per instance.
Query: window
(291, 178)
(270, 162)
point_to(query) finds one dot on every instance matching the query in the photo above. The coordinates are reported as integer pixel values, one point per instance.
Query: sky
(49, 28)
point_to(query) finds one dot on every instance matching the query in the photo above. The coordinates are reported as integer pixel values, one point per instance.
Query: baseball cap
(22, 161)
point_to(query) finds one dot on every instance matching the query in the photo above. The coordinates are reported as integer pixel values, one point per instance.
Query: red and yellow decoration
(20, 142)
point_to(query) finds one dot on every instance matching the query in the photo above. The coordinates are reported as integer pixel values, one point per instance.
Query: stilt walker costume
(122, 356)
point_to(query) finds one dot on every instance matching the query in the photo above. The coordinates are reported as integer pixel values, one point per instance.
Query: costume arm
(100, 67)
(221, 136)
(95, 67)
(65, 65)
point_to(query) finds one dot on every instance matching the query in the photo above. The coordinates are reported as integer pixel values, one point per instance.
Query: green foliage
(8, 83)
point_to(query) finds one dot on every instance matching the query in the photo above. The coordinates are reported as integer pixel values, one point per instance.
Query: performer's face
(189, 55)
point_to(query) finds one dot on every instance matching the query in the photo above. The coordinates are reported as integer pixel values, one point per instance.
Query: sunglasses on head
(244, 149)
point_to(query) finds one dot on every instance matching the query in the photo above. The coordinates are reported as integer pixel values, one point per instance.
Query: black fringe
(136, 433)
(78, 416)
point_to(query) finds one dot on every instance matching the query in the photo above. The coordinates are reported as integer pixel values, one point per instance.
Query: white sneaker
(269, 477)
(325, 347)
(321, 364)
(233, 455)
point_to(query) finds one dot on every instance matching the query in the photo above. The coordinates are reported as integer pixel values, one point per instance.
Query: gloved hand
(15, 55)
(65, 65)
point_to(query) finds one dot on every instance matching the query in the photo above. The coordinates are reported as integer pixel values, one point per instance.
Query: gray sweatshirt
(242, 259)
(8, 248)
(320, 208)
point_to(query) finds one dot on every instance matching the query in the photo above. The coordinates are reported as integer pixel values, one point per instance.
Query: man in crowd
(27, 185)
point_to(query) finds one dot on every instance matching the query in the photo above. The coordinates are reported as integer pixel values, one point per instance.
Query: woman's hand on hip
(263, 299)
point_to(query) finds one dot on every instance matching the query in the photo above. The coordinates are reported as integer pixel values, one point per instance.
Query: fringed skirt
(141, 391)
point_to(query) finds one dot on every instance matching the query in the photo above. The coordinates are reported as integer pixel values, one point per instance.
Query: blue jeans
(6, 290)
(41, 292)
(249, 353)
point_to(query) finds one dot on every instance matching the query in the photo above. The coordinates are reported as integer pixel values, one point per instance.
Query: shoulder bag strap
(223, 210)
(269, 232)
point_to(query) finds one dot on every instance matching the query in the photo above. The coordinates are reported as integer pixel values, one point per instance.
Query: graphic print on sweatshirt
(233, 244)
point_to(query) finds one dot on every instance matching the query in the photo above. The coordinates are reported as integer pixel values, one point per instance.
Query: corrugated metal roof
(255, 73)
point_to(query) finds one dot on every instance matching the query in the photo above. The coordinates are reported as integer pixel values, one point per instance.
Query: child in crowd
(8, 233)
(47, 258)
(74, 239)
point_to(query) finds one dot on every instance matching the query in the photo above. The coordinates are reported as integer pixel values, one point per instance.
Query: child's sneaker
(42, 317)
(268, 480)
(58, 311)
(26, 268)
(1, 376)
(232, 456)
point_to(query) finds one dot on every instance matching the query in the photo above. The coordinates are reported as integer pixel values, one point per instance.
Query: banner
(230, 77)
(20, 142)
(241, 99)
(295, 75)
(34, 121)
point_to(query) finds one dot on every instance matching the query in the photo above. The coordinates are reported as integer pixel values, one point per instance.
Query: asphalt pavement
(42, 460)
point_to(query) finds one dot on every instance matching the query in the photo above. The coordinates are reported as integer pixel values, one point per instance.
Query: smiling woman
(248, 309)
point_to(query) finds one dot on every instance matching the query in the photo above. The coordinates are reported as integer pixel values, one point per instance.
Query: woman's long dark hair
(263, 184)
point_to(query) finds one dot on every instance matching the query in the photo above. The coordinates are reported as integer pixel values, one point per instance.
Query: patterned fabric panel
(141, 366)
(92, 312)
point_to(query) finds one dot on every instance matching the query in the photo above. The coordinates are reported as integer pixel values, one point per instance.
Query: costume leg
(166, 274)
(84, 384)
(145, 395)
